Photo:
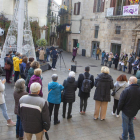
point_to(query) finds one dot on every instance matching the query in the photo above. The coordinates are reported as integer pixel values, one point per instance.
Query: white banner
(110, 11)
(130, 10)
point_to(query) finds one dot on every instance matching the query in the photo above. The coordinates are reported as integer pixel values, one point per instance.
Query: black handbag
(46, 134)
(114, 92)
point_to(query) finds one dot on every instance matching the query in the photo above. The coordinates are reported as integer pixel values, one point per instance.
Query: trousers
(4, 111)
(54, 63)
(115, 106)
(83, 104)
(39, 136)
(103, 106)
(19, 129)
(97, 56)
(16, 77)
(69, 109)
(56, 110)
(73, 58)
(130, 67)
(8, 74)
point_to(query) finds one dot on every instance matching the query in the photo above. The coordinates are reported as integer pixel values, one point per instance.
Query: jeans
(102, 61)
(105, 62)
(130, 68)
(110, 63)
(69, 109)
(37, 58)
(124, 67)
(115, 106)
(83, 102)
(4, 111)
(48, 57)
(54, 63)
(127, 125)
(97, 55)
(16, 76)
(19, 129)
(56, 110)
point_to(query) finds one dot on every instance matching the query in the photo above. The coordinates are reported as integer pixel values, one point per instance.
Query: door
(94, 47)
(75, 41)
(116, 48)
(138, 49)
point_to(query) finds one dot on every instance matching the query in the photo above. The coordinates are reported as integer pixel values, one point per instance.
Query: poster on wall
(67, 28)
(130, 10)
(110, 11)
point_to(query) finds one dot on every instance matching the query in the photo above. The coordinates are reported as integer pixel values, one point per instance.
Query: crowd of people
(34, 113)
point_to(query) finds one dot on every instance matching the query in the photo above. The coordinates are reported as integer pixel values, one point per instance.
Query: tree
(41, 42)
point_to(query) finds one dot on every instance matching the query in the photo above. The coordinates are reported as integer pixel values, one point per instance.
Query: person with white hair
(33, 111)
(129, 103)
(54, 97)
(103, 84)
(70, 86)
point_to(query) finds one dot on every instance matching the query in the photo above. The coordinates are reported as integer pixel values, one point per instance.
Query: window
(98, 6)
(118, 29)
(77, 8)
(96, 31)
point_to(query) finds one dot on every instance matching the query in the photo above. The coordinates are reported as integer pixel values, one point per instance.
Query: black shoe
(69, 117)
(63, 116)
(55, 123)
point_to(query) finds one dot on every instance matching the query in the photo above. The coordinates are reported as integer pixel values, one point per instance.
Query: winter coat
(54, 90)
(22, 69)
(48, 51)
(41, 55)
(98, 51)
(54, 54)
(131, 60)
(138, 77)
(30, 74)
(74, 51)
(17, 96)
(125, 60)
(121, 57)
(37, 79)
(103, 84)
(70, 86)
(2, 88)
(103, 54)
(116, 59)
(129, 101)
(16, 62)
(136, 62)
(119, 86)
(80, 81)
(106, 57)
(37, 53)
(110, 57)
(9, 61)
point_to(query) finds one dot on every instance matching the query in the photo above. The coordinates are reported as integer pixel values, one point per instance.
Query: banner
(67, 28)
(110, 11)
(130, 10)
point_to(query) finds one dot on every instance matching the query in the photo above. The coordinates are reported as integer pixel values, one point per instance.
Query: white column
(20, 26)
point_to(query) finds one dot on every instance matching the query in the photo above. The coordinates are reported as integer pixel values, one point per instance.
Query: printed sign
(67, 28)
(130, 10)
(110, 11)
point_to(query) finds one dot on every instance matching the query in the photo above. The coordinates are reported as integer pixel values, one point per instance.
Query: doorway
(95, 44)
(116, 48)
(75, 42)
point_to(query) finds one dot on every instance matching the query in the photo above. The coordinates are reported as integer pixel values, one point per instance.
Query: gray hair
(54, 77)
(71, 74)
(133, 80)
(17, 53)
(19, 85)
(35, 87)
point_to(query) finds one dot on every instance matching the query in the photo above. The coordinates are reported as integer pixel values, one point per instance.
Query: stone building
(37, 10)
(103, 24)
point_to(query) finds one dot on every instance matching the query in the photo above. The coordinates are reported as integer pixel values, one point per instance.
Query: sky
(59, 1)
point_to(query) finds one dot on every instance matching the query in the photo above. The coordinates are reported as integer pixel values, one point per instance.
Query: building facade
(37, 11)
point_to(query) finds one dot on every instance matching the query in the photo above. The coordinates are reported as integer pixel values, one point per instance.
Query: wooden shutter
(102, 6)
(74, 8)
(127, 2)
(95, 6)
(113, 3)
(79, 4)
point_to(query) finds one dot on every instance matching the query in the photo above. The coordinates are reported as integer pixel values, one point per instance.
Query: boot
(10, 123)
(69, 117)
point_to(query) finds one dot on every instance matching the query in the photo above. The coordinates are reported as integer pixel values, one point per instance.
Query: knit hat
(35, 87)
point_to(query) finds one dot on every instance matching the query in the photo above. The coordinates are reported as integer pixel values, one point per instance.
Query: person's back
(54, 54)
(47, 51)
(138, 77)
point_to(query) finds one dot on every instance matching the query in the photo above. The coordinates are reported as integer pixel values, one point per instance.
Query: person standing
(48, 54)
(119, 86)
(125, 62)
(116, 61)
(131, 61)
(33, 111)
(110, 59)
(41, 54)
(70, 86)
(135, 65)
(54, 54)
(103, 57)
(98, 50)
(106, 59)
(19, 91)
(37, 54)
(84, 93)
(8, 71)
(54, 97)
(74, 53)
(3, 104)
(120, 61)
(129, 103)
(103, 84)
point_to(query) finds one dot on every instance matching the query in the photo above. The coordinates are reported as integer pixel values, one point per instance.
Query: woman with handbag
(54, 97)
(119, 86)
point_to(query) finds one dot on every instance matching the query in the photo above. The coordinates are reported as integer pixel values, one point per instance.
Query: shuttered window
(96, 31)
(98, 6)
(118, 29)
(77, 8)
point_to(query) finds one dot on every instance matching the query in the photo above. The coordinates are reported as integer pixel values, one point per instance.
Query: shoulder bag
(7, 66)
(114, 92)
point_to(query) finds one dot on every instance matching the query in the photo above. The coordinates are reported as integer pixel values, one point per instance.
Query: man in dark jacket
(84, 96)
(33, 111)
(54, 54)
(8, 60)
(48, 54)
(131, 61)
(103, 57)
(129, 103)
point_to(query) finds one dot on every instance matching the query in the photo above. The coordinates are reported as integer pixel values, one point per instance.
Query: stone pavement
(80, 127)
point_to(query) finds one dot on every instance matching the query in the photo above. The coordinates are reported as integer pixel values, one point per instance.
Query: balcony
(123, 12)
(63, 12)
(64, 28)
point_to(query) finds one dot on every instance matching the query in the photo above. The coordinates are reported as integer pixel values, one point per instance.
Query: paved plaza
(80, 127)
